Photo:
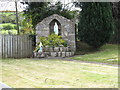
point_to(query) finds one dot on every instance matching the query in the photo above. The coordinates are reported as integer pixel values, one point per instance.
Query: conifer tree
(96, 23)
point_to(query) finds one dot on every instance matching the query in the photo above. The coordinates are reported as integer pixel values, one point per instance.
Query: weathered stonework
(67, 29)
(56, 52)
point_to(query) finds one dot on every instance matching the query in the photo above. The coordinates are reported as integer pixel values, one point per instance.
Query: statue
(41, 47)
(56, 28)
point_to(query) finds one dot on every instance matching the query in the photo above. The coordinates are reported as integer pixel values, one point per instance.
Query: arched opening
(55, 27)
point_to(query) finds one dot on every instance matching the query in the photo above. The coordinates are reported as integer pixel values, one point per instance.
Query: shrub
(52, 40)
(44, 41)
(65, 44)
(6, 19)
(7, 27)
(0, 28)
(27, 26)
(15, 27)
(13, 22)
(55, 40)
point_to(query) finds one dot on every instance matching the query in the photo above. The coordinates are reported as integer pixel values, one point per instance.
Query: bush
(13, 21)
(15, 27)
(7, 27)
(44, 41)
(65, 44)
(52, 40)
(0, 28)
(8, 18)
(55, 40)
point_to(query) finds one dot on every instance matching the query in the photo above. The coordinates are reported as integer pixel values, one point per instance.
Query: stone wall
(55, 52)
(67, 29)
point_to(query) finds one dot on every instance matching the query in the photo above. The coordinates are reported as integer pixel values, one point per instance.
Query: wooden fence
(15, 46)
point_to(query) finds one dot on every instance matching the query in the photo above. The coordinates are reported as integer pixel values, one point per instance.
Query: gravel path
(68, 59)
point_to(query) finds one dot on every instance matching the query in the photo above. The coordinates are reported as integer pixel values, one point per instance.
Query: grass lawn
(106, 54)
(7, 13)
(4, 24)
(36, 73)
(12, 31)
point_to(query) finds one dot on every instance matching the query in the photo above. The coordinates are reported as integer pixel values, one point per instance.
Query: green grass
(33, 73)
(106, 54)
(4, 24)
(13, 31)
(7, 13)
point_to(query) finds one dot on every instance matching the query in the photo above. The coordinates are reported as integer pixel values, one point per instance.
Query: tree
(96, 23)
(27, 27)
(116, 14)
(35, 10)
(40, 10)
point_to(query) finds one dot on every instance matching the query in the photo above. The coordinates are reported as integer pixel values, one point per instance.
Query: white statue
(41, 47)
(56, 28)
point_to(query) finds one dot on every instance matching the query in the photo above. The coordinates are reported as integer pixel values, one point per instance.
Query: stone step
(53, 54)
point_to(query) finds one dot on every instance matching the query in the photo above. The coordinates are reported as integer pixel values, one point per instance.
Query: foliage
(55, 40)
(7, 18)
(10, 31)
(40, 10)
(44, 41)
(5, 24)
(15, 27)
(36, 10)
(27, 27)
(7, 27)
(96, 23)
(37, 48)
(52, 40)
(65, 44)
(116, 14)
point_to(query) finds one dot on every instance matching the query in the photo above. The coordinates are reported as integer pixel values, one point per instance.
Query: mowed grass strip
(5, 24)
(31, 73)
(7, 13)
(12, 31)
(106, 54)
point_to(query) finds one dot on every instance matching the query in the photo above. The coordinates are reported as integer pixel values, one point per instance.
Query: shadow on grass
(83, 48)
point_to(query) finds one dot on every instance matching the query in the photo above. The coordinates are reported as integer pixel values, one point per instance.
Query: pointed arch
(51, 26)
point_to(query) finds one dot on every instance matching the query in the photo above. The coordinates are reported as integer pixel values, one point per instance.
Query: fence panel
(15, 46)
(0, 46)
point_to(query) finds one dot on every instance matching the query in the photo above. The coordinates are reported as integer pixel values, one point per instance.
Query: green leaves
(40, 10)
(27, 26)
(44, 41)
(52, 40)
(7, 27)
(96, 23)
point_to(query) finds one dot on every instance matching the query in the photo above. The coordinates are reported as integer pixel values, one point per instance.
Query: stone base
(39, 55)
(53, 54)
